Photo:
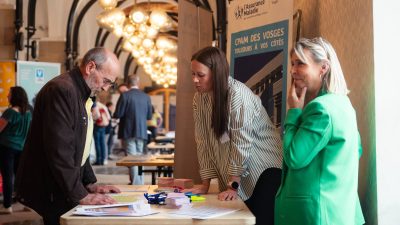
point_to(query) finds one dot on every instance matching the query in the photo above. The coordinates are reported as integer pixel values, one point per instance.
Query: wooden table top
(243, 216)
(144, 160)
(154, 145)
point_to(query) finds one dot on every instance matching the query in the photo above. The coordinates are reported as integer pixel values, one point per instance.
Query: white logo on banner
(39, 76)
(249, 10)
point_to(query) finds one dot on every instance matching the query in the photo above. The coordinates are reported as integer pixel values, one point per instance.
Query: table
(161, 147)
(160, 161)
(244, 216)
(165, 139)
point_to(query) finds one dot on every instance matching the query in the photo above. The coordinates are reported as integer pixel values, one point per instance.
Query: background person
(14, 126)
(122, 88)
(154, 123)
(102, 119)
(54, 173)
(321, 142)
(236, 141)
(133, 109)
(110, 130)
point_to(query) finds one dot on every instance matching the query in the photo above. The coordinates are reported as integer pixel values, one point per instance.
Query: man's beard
(93, 93)
(91, 83)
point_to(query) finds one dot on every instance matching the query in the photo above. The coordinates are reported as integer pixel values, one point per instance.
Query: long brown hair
(215, 60)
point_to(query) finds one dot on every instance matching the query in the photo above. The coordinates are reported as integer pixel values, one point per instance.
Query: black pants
(153, 135)
(110, 140)
(55, 208)
(9, 159)
(262, 201)
(51, 220)
(53, 213)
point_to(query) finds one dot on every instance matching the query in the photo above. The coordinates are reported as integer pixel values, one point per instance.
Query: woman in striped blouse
(236, 141)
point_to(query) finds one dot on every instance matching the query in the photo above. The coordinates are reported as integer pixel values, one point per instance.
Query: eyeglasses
(106, 81)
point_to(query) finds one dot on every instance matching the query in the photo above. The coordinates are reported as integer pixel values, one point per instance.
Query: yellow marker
(197, 198)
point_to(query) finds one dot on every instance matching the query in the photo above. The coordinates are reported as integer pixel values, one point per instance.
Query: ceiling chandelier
(144, 28)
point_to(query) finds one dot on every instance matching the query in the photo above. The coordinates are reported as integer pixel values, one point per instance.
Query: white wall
(387, 100)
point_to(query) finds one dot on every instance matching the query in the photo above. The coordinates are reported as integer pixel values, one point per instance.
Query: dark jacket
(50, 168)
(133, 109)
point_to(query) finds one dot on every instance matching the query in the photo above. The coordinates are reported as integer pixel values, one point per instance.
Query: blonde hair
(322, 52)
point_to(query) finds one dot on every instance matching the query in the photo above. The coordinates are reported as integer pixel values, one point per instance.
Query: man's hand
(93, 188)
(227, 195)
(97, 199)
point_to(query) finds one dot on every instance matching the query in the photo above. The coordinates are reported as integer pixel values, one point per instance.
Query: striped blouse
(253, 145)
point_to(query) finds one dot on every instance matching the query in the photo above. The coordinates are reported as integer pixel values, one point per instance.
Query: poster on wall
(7, 80)
(259, 42)
(32, 76)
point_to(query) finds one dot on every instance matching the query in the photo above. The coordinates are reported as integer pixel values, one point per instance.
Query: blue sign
(259, 59)
(32, 76)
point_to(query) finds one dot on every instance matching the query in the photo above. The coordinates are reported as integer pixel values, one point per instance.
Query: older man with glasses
(55, 174)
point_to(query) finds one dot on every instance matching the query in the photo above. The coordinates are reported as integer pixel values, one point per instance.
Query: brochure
(139, 208)
(124, 198)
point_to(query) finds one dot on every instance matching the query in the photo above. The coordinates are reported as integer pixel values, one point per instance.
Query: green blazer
(321, 147)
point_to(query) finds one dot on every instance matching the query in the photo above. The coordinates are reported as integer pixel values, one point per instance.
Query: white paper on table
(138, 208)
(203, 212)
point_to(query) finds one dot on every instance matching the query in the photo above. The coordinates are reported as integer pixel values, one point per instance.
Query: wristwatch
(234, 185)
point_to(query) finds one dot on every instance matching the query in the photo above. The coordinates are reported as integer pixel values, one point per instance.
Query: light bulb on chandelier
(140, 30)
(108, 4)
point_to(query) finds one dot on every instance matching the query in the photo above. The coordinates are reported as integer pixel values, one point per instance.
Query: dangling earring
(325, 82)
(322, 74)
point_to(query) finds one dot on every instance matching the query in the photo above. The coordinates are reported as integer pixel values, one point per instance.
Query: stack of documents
(176, 200)
(139, 208)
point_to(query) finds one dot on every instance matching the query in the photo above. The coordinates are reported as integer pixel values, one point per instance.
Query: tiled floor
(107, 174)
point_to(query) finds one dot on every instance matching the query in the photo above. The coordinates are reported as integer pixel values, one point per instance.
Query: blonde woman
(321, 145)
